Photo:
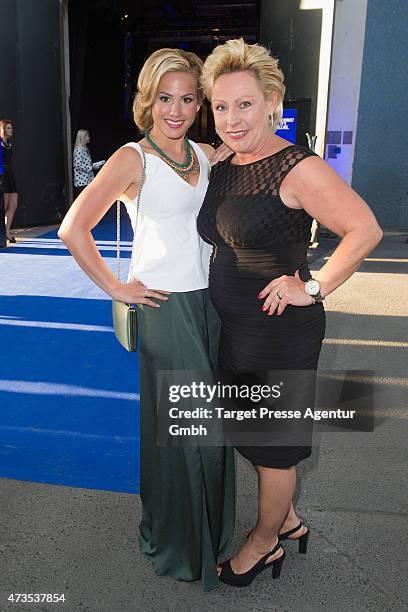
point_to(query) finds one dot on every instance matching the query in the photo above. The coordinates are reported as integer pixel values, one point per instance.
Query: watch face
(312, 287)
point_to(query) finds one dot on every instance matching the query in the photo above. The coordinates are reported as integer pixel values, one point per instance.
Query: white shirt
(168, 252)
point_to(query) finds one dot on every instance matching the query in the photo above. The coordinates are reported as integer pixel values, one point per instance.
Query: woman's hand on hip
(283, 291)
(135, 292)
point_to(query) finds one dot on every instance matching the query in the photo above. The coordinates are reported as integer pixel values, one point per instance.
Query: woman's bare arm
(120, 174)
(323, 194)
(315, 187)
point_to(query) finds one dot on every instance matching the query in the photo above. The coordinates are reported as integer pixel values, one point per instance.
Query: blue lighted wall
(380, 169)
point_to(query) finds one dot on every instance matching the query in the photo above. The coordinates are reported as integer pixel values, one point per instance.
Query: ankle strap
(288, 533)
(271, 552)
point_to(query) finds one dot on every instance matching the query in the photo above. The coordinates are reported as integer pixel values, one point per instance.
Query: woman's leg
(276, 488)
(291, 521)
(6, 199)
(10, 205)
(275, 491)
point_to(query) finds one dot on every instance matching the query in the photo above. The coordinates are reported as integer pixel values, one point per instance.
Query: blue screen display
(287, 125)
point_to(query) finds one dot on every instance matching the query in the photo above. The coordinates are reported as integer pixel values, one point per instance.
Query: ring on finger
(279, 296)
(145, 293)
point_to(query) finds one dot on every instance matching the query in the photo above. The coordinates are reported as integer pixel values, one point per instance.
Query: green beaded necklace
(171, 161)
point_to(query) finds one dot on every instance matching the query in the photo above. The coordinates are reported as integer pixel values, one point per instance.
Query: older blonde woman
(258, 212)
(187, 493)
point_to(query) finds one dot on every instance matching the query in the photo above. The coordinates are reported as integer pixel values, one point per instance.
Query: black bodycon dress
(257, 238)
(9, 180)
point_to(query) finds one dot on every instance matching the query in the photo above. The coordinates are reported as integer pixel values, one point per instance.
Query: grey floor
(352, 492)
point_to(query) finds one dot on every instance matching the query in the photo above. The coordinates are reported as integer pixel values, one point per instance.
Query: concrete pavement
(352, 493)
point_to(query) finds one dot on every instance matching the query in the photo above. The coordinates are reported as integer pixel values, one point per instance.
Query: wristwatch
(312, 288)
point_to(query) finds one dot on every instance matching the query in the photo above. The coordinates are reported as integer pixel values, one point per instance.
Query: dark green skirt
(187, 492)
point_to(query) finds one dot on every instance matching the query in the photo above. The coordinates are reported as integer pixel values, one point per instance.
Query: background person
(10, 191)
(258, 212)
(82, 162)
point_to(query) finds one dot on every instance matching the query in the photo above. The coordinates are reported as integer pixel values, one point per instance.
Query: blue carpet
(69, 393)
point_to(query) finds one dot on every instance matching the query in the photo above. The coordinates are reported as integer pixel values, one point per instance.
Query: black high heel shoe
(242, 580)
(303, 539)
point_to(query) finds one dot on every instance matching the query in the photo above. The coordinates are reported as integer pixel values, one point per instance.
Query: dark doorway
(110, 40)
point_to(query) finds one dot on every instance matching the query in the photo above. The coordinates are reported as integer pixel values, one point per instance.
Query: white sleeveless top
(168, 252)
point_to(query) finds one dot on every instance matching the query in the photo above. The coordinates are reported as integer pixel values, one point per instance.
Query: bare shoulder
(312, 184)
(125, 161)
(312, 172)
(208, 149)
(121, 171)
(128, 153)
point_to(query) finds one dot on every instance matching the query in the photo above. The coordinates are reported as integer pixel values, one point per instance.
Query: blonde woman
(10, 190)
(82, 162)
(258, 212)
(187, 493)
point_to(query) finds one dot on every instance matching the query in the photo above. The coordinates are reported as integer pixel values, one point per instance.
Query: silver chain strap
(142, 180)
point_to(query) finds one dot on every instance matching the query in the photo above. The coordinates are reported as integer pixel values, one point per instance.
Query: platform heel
(228, 576)
(277, 566)
(303, 540)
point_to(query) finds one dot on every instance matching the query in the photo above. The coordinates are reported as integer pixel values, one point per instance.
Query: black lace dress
(257, 238)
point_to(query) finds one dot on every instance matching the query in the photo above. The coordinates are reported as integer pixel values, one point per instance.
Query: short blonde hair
(81, 138)
(156, 66)
(236, 55)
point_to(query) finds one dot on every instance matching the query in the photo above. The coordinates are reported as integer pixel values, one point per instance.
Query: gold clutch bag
(125, 324)
(124, 316)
